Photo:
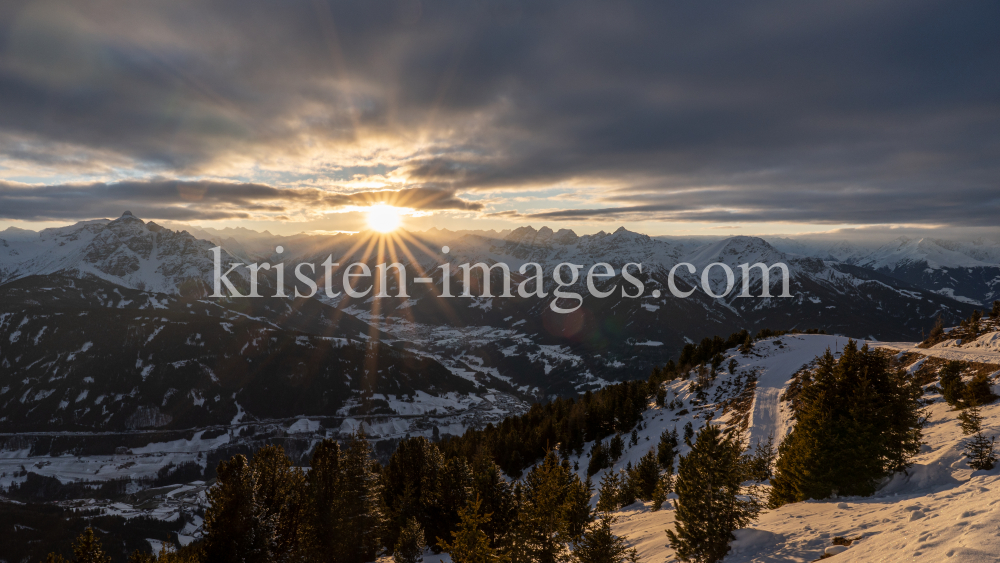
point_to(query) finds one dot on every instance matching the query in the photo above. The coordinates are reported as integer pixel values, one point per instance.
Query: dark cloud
(201, 200)
(833, 112)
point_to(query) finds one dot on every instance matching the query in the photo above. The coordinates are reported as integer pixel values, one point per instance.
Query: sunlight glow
(384, 218)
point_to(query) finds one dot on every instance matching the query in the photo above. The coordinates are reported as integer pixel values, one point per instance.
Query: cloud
(203, 200)
(827, 112)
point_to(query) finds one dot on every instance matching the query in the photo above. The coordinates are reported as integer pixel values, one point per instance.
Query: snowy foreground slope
(939, 511)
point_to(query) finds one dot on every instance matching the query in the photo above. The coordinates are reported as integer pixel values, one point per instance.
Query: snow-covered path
(946, 353)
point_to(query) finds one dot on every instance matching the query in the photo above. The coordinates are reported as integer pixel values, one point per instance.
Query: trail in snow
(949, 353)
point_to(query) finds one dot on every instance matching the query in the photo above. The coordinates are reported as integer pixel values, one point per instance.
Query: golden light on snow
(384, 218)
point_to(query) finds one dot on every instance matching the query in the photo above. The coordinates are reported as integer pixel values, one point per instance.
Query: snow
(939, 510)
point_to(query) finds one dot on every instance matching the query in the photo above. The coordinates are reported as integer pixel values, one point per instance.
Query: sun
(384, 218)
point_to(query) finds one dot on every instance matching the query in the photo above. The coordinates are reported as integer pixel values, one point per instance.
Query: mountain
(943, 267)
(127, 252)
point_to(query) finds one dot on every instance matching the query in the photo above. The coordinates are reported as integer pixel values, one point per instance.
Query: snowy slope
(939, 511)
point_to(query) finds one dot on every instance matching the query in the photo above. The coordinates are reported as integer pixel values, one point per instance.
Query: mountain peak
(127, 214)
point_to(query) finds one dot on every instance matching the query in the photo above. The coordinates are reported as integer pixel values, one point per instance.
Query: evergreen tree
(858, 421)
(86, 549)
(616, 448)
(760, 463)
(600, 545)
(545, 510)
(709, 507)
(236, 528)
(747, 346)
(938, 330)
(608, 493)
(361, 492)
(688, 433)
(645, 475)
(469, 543)
(324, 527)
(497, 498)
(663, 488)
(411, 544)
(979, 450)
(952, 386)
(995, 312)
(971, 420)
(666, 450)
(254, 509)
(661, 395)
(978, 391)
(413, 487)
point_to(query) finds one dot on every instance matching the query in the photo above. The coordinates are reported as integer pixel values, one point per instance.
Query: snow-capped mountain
(127, 252)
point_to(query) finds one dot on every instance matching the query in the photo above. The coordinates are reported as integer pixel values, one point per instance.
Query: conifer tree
(86, 549)
(979, 450)
(971, 420)
(545, 510)
(858, 421)
(709, 507)
(995, 312)
(236, 528)
(323, 529)
(661, 395)
(600, 545)
(362, 496)
(608, 493)
(645, 475)
(469, 543)
(663, 488)
(688, 433)
(497, 498)
(666, 450)
(952, 386)
(616, 448)
(411, 544)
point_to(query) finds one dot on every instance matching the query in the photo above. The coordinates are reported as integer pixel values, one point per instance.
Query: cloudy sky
(666, 117)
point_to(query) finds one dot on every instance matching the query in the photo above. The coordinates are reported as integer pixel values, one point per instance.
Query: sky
(666, 117)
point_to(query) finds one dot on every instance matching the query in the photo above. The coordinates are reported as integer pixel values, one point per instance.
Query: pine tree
(952, 386)
(545, 509)
(600, 545)
(616, 448)
(858, 421)
(322, 531)
(236, 528)
(709, 507)
(663, 488)
(86, 549)
(608, 493)
(978, 391)
(688, 433)
(971, 420)
(362, 496)
(411, 544)
(645, 475)
(747, 346)
(666, 450)
(995, 312)
(979, 450)
(938, 330)
(497, 498)
(469, 543)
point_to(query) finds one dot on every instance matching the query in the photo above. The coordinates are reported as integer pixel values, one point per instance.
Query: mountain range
(107, 326)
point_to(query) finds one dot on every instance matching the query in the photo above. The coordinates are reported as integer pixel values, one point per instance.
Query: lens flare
(384, 218)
